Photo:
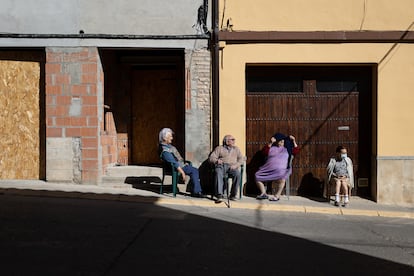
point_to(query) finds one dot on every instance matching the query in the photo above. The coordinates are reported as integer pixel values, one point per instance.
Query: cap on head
(279, 136)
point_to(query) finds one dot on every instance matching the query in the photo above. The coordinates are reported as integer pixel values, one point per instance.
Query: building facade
(331, 73)
(89, 84)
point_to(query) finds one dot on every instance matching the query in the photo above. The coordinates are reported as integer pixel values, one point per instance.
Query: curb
(162, 201)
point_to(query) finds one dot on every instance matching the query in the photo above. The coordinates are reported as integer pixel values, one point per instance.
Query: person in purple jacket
(277, 166)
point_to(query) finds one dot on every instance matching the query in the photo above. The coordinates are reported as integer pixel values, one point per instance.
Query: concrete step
(132, 176)
(125, 171)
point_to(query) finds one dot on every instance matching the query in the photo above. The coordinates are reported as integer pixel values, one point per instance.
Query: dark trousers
(221, 170)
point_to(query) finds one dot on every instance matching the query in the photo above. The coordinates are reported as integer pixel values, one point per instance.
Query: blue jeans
(194, 178)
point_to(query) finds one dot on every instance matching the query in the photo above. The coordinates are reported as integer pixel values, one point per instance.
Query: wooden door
(157, 102)
(319, 108)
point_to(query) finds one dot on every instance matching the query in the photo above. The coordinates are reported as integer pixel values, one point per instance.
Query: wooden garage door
(322, 112)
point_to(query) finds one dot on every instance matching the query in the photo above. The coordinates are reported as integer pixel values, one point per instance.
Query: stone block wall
(198, 105)
(395, 181)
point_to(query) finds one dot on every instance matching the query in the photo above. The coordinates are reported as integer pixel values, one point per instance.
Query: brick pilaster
(74, 89)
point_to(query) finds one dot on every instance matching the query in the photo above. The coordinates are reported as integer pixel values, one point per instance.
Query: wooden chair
(169, 169)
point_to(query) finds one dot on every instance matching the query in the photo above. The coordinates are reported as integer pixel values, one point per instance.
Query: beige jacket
(232, 157)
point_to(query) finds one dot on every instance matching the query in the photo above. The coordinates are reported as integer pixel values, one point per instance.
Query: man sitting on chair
(340, 171)
(227, 158)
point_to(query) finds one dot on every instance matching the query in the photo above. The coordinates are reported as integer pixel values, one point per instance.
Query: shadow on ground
(67, 236)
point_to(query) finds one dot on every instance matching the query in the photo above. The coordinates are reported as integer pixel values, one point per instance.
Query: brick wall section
(74, 89)
(109, 142)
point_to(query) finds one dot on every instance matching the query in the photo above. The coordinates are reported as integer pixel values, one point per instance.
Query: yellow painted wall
(395, 85)
(316, 15)
(394, 98)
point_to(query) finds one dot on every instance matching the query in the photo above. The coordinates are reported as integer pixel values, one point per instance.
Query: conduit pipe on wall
(102, 36)
(215, 72)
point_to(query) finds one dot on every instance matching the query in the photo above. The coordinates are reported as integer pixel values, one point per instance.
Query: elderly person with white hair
(169, 153)
(227, 158)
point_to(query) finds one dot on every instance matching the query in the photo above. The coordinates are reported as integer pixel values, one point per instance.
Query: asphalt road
(61, 236)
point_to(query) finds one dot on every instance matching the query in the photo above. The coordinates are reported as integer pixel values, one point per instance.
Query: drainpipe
(215, 72)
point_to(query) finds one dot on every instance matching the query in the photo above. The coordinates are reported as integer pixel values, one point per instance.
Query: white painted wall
(95, 17)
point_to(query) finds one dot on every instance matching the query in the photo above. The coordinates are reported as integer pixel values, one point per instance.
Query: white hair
(163, 133)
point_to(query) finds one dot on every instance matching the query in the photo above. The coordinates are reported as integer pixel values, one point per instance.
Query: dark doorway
(144, 89)
(323, 106)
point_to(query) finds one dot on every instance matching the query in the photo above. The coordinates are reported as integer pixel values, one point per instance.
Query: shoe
(274, 199)
(262, 196)
(233, 198)
(336, 203)
(345, 204)
(198, 195)
(219, 199)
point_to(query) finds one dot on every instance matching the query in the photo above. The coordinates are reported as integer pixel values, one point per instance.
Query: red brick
(54, 89)
(89, 100)
(79, 90)
(53, 68)
(88, 164)
(63, 100)
(89, 68)
(89, 131)
(49, 79)
(62, 121)
(89, 153)
(73, 132)
(51, 111)
(78, 121)
(89, 110)
(50, 100)
(53, 57)
(62, 79)
(50, 122)
(61, 110)
(92, 121)
(53, 132)
(89, 78)
(89, 142)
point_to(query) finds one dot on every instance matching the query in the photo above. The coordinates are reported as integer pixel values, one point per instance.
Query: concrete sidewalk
(357, 207)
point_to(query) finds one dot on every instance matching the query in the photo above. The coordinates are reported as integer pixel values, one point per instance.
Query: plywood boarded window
(19, 117)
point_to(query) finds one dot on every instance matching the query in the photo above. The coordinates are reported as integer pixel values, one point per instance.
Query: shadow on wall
(253, 166)
(311, 186)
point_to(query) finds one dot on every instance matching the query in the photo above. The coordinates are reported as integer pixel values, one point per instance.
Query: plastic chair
(169, 169)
